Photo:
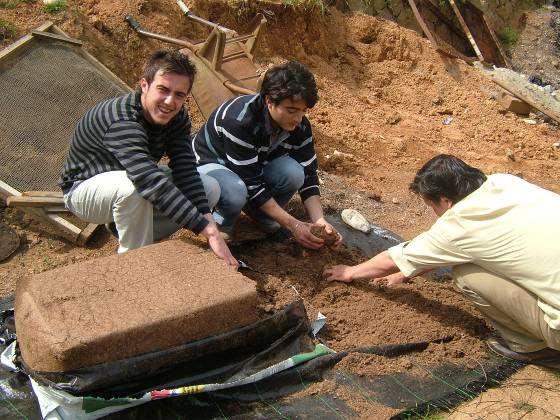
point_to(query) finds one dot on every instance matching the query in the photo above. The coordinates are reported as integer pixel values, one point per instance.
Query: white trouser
(111, 197)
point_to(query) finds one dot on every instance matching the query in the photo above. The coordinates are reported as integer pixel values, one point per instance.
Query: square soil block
(120, 306)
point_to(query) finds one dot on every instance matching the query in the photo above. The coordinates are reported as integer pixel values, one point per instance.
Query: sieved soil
(121, 306)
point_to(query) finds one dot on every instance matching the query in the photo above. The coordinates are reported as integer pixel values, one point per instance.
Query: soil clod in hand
(320, 232)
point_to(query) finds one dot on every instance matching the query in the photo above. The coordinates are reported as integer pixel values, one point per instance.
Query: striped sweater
(114, 136)
(240, 135)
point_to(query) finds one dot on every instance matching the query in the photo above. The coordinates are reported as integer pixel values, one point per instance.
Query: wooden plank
(50, 35)
(422, 23)
(26, 201)
(22, 43)
(466, 29)
(86, 233)
(501, 52)
(528, 92)
(55, 209)
(43, 194)
(7, 191)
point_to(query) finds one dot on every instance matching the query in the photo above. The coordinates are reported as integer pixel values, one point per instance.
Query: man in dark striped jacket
(112, 173)
(260, 150)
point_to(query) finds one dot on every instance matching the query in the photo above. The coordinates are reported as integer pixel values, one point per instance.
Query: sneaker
(269, 227)
(545, 357)
(112, 228)
(280, 235)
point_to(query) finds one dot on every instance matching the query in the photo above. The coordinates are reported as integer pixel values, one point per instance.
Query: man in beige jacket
(501, 235)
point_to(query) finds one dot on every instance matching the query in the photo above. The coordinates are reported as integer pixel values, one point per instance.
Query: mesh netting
(45, 90)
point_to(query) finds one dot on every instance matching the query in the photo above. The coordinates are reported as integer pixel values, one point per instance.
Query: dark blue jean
(284, 176)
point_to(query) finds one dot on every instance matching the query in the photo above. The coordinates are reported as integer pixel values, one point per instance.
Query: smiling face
(163, 98)
(288, 113)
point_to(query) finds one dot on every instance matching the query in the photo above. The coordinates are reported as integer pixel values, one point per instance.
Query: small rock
(510, 155)
(356, 220)
(395, 200)
(556, 146)
(447, 120)
(529, 121)
(393, 119)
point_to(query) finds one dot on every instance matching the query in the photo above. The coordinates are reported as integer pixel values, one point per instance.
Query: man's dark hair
(169, 62)
(446, 176)
(291, 80)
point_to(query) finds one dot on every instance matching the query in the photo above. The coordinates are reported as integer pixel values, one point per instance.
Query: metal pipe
(133, 23)
(187, 12)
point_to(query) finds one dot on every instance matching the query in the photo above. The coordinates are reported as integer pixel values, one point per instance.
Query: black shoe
(546, 357)
(112, 228)
(280, 235)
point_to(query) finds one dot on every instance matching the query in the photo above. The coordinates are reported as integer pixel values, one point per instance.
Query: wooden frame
(48, 206)
(475, 30)
(439, 44)
(224, 61)
(480, 34)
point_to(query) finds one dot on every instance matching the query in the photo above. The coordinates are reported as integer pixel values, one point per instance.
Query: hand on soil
(217, 243)
(390, 280)
(338, 273)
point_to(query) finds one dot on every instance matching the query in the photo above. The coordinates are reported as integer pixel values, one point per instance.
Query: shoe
(546, 357)
(279, 235)
(112, 228)
(269, 227)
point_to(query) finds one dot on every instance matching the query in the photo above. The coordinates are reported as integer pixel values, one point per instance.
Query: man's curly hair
(290, 80)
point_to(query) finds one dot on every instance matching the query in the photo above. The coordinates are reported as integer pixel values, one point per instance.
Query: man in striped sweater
(112, 173)
(260, 150)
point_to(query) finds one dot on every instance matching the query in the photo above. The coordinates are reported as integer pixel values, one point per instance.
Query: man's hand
(330, 229)
(303, 235)
(339, 273)
(217, 243)
(390, 280)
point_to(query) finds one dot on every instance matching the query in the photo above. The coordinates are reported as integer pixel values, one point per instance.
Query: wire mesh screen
(44, 92)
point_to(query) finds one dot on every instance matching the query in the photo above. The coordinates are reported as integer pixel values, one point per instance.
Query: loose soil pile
(385, 94)
(121, 306)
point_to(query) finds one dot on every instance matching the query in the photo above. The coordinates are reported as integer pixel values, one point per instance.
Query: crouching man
(501, 235)
(260, 150)
(112, 173)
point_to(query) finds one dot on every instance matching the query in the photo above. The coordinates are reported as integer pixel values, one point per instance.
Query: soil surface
(388, 102)
(537, 53)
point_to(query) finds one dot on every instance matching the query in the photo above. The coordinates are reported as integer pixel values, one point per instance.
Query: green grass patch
(307, 4)
(445, 3)
(9, 4)
(54, 6)
(7, 30)
(508, 36)
(524, 406)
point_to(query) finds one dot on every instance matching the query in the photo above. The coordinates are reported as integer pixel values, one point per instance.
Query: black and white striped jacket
(239, 134)
(114, 136)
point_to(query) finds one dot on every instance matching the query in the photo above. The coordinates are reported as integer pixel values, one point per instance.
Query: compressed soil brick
(120, 306)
